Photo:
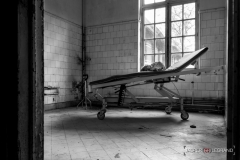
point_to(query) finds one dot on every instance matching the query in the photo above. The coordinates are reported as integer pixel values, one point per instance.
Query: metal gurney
(171, 74)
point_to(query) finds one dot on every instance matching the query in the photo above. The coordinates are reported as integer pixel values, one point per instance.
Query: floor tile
(77, 134)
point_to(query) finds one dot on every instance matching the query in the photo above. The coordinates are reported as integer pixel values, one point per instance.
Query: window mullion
(168, 36)
(168, 27)
(142, 38)
(154, 40)
(182, 28)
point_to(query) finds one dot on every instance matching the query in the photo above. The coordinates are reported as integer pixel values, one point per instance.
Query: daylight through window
(169, 31)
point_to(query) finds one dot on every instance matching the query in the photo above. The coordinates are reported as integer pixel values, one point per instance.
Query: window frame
(167, 4)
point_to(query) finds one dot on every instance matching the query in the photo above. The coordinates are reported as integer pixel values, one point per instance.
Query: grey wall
(210, 4)
(110, 11)
(70, 10)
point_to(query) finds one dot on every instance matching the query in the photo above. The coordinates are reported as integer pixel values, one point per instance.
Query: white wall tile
(62, 40)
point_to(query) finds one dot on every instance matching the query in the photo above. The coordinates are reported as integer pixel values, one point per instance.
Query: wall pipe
(83, 47)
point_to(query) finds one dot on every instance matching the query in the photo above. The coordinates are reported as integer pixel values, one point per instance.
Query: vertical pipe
(83, 48)
(168, 37)
(192, 91)
(198, 64)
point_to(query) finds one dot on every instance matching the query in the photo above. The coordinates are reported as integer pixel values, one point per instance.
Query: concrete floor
(141, 134)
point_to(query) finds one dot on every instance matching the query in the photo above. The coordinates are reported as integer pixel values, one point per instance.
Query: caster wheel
(103, 111)
(168, 110)
(101, 116)
(184, 115)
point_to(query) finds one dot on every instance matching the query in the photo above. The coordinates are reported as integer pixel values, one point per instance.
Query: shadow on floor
(124, 123)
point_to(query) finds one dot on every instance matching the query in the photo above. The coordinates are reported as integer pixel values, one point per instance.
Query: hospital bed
(171, 74)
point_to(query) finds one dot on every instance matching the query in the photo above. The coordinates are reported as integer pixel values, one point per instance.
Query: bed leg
(184, 114)
(181, 104)
(103, 110)
(168, 109)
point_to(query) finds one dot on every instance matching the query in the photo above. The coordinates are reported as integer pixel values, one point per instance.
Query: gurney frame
(159, 80)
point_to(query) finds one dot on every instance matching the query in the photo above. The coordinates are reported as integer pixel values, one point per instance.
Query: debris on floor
(117, 156)
(193, 126)
(165, 135)
(143, 127)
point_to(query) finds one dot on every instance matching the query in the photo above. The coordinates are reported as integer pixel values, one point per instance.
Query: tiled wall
(113, 49)
(62, 45)
(213, 36)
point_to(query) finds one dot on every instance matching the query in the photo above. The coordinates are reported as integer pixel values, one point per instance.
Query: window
(168, 31)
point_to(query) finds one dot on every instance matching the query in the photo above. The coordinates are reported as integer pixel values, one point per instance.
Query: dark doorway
(24, 133)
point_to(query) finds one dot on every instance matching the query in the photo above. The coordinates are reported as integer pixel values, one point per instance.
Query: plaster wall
(70, 10)
(211, 4)
(110, 11)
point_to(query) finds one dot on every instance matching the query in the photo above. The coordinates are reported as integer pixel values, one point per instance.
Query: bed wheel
(184, 115)
(168, 110)
(103, 111)
(101, 115)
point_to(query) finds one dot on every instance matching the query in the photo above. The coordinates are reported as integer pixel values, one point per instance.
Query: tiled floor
(77, 134)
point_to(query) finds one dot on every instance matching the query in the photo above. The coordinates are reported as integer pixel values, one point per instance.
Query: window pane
(160, 46)
(175, 58)
(149, 16)
(176, 29)
(176, 13)
(159, 1)
(148, 1)
(189, 27)
(160, 58)
(148, 59)
(176, 45)
(160, 30)
(189, 10)
(160, 15)
(149, 47)
(148, 31)
(189, 44)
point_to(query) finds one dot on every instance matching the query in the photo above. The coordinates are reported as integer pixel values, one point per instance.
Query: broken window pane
(160, 30)
(160, 15)
(149, 16)
(160, 58)
(148, 31)
(189, 10)
(160, 46)
(176, 29)
(189, 44)
(176, 13)
(175, 58)
(148, 59)
(149, 47)
(176, 45)
(189, 27)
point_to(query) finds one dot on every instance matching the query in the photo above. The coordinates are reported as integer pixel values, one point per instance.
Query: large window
(168, 30)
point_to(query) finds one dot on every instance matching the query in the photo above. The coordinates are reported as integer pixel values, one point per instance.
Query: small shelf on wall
(51, 90)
